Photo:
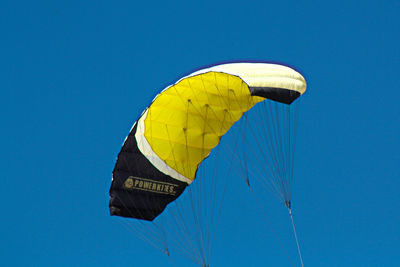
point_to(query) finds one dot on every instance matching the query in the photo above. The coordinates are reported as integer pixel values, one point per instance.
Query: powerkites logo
(150, 185)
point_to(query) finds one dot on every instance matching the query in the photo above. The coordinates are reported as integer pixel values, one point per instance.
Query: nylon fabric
(186, 121)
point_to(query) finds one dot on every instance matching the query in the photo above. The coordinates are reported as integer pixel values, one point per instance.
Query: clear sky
(75, 75)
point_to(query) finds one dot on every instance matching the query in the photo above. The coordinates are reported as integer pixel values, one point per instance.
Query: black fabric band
(285, 96)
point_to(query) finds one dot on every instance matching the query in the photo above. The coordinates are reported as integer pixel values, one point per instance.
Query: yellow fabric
(187, 120)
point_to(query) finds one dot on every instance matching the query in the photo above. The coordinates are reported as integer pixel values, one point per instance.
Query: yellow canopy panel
(187, 120)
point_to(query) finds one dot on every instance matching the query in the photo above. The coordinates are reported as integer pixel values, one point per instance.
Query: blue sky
(75, 75)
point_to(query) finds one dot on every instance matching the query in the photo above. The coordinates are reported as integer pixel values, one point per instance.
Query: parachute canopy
(185, 121)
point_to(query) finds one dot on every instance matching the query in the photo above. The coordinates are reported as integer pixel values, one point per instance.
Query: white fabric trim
(257, 75)
(146, 150)
(261, 75)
